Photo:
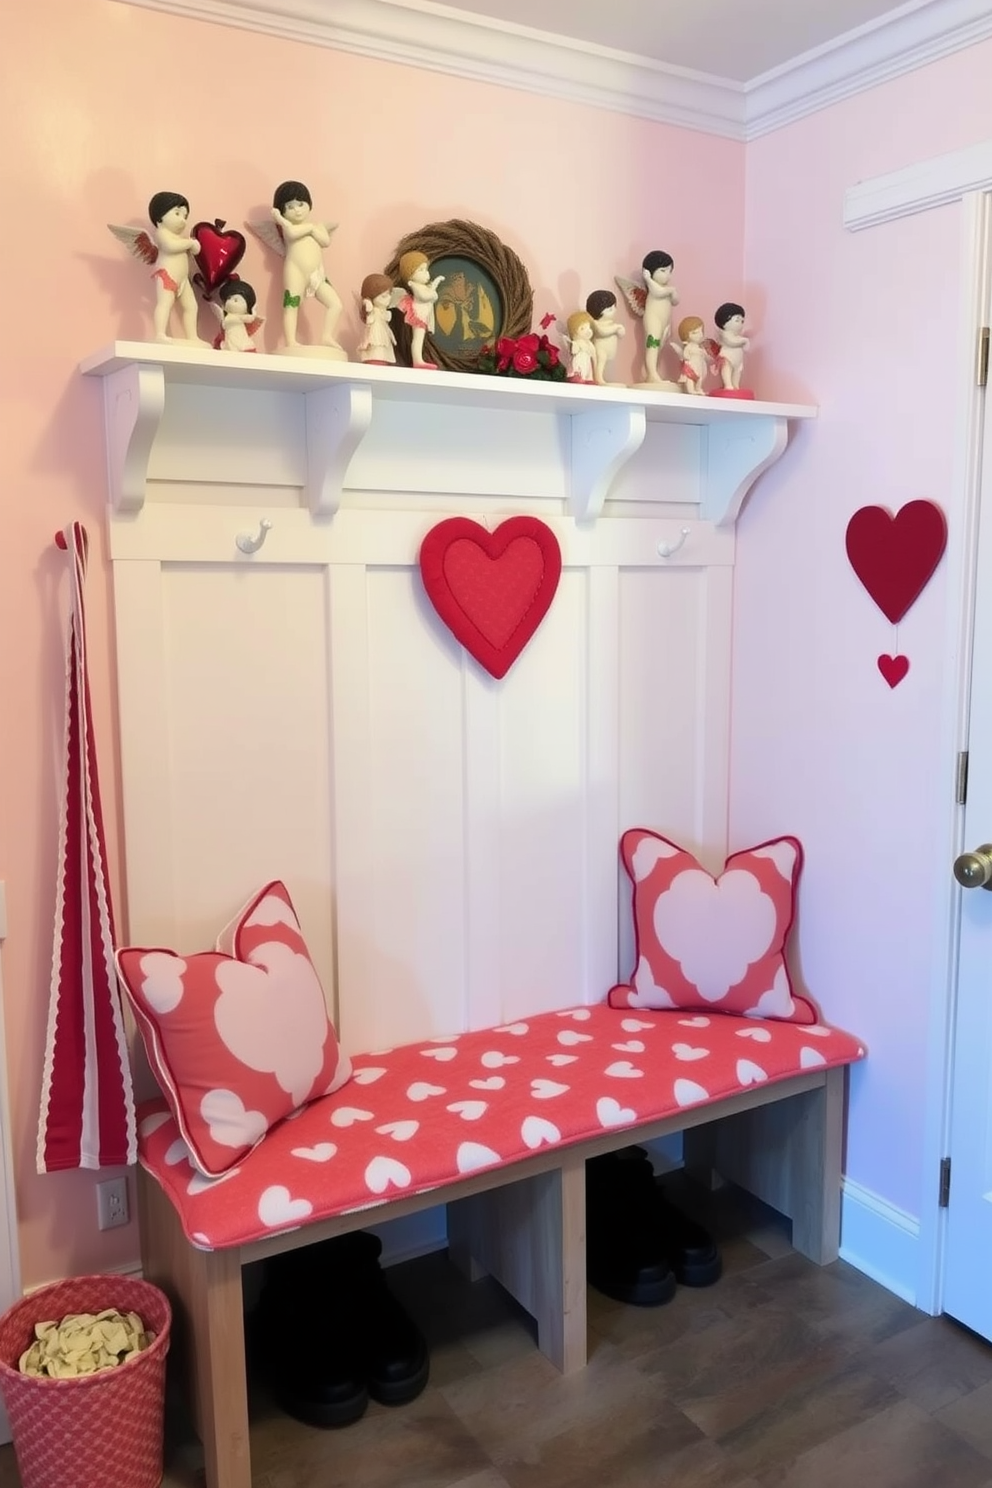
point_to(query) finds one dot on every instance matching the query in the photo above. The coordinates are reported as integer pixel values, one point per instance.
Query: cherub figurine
(236, 313)
(729, 322)
(602, 307)
(169, 247)
(418, 305)
(653, 300)
(696, 351)
(301, 242)
(379, 296)
(579, 328)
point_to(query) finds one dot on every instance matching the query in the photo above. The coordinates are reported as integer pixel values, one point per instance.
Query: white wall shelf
(606, 425)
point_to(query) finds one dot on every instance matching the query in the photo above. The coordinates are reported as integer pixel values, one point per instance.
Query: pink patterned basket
(102, 1430)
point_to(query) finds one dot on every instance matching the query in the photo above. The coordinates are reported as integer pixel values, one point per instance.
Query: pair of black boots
(332, 1335)
(639, 1246)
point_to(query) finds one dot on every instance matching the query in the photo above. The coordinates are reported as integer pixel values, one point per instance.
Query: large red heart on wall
(491, 589)
(895, 556)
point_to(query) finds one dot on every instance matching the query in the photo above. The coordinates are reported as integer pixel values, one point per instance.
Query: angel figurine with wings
(652, 301)
(300, 242)
(169, 246)
(236, 313)
(378, 297)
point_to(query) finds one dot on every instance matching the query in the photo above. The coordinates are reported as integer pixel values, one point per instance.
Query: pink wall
(865, 325)
(221, 115)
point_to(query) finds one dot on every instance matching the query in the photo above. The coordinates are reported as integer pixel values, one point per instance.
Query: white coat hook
(668, 550)
(249, 544)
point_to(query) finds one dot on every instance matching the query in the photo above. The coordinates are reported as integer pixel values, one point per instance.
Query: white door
(967, 1289)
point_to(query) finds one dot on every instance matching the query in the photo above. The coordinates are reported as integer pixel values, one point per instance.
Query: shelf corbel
(134, 401)
(603, 440)
(737, 451)
(337, 419)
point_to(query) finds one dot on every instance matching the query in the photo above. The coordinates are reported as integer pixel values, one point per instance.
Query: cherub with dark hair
(301, 241)
(170, 246)
(729, 322)
(606, 331)
(236, 313)
(653, 301)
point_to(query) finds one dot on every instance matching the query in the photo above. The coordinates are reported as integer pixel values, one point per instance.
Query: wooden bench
(775, 1128)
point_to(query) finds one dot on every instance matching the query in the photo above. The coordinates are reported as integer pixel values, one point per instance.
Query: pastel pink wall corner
(866, 325)
(221, 115)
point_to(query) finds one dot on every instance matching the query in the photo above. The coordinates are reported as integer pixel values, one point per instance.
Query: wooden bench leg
(204, 1288)
(787, 1154)
(531, 1236)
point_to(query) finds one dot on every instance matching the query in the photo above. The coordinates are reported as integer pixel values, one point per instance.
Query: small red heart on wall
(491, 589)
(893, 668)
(895, 556)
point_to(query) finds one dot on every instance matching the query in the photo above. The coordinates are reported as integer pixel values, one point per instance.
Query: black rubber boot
(624, 1259)
(391, 1346)
(307, 1340)
(690, 1247)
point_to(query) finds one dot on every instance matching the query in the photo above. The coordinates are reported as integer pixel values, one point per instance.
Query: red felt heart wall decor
(491, 589)
(895, 556)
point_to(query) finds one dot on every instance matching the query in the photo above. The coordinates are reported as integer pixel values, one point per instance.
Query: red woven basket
(101, 1430)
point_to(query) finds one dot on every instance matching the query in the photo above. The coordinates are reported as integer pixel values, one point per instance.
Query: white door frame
(965, 176)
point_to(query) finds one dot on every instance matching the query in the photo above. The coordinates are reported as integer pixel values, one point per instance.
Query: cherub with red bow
(169, 246)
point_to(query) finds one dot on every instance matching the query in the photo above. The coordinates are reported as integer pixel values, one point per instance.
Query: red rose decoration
(524, 361)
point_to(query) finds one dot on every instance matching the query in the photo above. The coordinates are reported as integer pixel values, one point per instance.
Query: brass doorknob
(973, 870)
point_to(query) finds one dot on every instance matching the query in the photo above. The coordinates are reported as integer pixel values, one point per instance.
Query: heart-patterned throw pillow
(237, 1037)
(712, 943)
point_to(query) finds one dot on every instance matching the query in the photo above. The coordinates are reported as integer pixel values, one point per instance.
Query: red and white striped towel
(87, 1106)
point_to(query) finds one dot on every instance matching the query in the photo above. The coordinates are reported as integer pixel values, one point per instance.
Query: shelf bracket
(603, 440)
(736, 453)
(337, 419)
(134, 401)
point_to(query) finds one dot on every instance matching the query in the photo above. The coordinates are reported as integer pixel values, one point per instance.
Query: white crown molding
(441, 38)
(909, 37)
(931, 183)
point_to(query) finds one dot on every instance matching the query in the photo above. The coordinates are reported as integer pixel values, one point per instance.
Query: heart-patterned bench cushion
(418, 1117)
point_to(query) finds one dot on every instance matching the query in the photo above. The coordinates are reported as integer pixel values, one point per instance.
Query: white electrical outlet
(111, 1202)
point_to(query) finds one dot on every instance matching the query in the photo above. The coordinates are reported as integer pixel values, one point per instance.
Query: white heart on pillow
(400, 1131)
(421, 1091)
(163, 980)
(230, 1124)
(348, 1115)
(272, 1016)
(622, 1069)
(468, 1110)
(687, 1053)
(749, 1073)
(715, 928)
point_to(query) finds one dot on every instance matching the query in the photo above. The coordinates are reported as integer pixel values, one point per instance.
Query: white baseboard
(130, 1268)
(879, 1239)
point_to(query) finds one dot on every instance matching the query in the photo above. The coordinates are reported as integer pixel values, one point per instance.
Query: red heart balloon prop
(895, 556)
(221, 250)
(893, 668)
(491, 589)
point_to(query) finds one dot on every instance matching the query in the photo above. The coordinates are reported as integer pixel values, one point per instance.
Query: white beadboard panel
(400, 856)
(247, 787)
(674, 701)
(542, 820)
(435, 449)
